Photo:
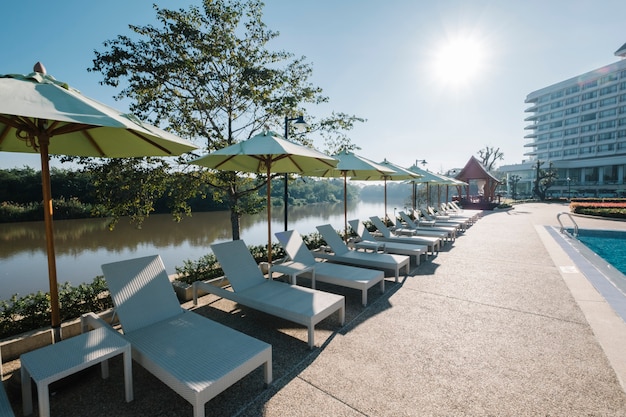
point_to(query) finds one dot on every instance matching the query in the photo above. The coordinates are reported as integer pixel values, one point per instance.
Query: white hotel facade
(579, 126)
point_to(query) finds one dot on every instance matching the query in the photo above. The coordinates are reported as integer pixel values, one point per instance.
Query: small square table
(54, 362)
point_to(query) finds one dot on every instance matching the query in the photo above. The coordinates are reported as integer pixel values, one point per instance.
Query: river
(83, 245)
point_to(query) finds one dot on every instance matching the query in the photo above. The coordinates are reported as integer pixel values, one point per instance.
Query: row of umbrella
(39, 114)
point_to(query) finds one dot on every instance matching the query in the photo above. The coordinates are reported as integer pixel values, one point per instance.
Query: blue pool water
(608, 244)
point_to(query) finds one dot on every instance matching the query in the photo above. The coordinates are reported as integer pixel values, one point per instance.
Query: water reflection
(83, 245)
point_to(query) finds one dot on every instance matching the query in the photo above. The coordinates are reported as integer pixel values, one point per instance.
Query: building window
(571, 110)
(608, 101)
(589, 95)
(610, 174)
(607, 113)
(590, 84)
(606, 148)
(589, 106)
(620, 146)
(571, 121)
(587, 117)
(555, 154)
(606, 125)
(587, 139)
(575, 99)
(606, 136)
(570, 142)
(557, 115)
(570, 152)
(608, 78)
(591, 175)
(588, 128)
(571, 131)
(557, 134)
(576, 88)
(608, 89)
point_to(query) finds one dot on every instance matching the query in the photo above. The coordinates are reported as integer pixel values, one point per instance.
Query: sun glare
(459, 61)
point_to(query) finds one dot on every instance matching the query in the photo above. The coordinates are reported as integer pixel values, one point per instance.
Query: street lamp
(300, 125)
(569, 190)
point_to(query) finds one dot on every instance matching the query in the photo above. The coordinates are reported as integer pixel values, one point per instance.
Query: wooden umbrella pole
(345, 207)
(269, 214)
(44, 141)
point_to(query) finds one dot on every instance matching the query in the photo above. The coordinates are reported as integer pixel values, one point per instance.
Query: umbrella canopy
(428, 178)
(397, 174)
(351, 165)
(39, 114)
(267, 153)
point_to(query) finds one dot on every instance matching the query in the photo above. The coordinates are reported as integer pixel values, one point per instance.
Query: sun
(459, 61)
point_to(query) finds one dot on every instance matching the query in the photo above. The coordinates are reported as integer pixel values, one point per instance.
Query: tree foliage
(544, 179)
(489, 155)
(206, 74)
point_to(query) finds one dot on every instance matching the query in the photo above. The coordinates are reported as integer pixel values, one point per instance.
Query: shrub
(22, 314)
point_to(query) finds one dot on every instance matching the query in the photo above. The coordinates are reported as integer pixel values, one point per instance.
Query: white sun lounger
(370, 241)
(447, 233)
(433, 243)
(463, 224)
(342, 275)
(250, 288)
(344, 255)
(196, 357)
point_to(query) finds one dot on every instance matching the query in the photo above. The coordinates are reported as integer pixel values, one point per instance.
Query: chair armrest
(93, 321)
(211, 289)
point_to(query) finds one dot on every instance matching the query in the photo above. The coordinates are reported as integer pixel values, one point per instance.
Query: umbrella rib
(93, 142)
(151, 142)
(4, 133)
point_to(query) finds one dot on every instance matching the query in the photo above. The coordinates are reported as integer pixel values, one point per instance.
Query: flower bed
(602, 208)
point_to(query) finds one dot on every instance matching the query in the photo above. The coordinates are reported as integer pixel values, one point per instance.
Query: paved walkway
(503, 323)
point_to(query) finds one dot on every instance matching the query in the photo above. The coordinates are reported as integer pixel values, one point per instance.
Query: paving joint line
(516, 310)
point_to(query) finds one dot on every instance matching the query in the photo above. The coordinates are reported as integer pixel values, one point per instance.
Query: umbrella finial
(39, 68)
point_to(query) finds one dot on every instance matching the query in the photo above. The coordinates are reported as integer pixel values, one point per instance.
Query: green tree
(206, 74)
(489, 155)
(544, 179)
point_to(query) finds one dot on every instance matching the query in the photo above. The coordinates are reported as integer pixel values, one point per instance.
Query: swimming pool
(608, 244)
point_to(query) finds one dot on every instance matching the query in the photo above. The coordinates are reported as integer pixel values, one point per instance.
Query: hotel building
(579, 126)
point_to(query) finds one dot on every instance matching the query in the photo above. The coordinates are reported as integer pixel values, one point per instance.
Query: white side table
(293, 269)
(53, 362)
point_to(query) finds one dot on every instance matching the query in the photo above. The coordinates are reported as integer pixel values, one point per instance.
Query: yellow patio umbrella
(397, 174)
(267, 153)
(351, 165)
(39, 114)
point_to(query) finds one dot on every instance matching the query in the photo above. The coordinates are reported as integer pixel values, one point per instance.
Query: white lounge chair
(196, 357)
(433, 243)
(342, 275)
(344, 255)
(448, 233)
(5, 406)
(463, 224)
(369, 241)
(439, 215)
(452, 208)
(250, 288)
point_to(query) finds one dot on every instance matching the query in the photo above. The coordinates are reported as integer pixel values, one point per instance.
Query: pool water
(608, 244)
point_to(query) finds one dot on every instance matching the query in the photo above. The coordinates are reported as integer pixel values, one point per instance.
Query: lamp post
(569, 190)
(299, 124)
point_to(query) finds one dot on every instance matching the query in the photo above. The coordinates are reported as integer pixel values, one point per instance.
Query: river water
(83, 245)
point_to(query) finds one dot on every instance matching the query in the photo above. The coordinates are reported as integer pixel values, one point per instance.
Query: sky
(436, 80)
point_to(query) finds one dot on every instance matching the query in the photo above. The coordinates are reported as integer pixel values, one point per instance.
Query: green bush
(22, 314)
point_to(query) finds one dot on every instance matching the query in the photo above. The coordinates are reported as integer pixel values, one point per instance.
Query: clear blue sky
(383, 61)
